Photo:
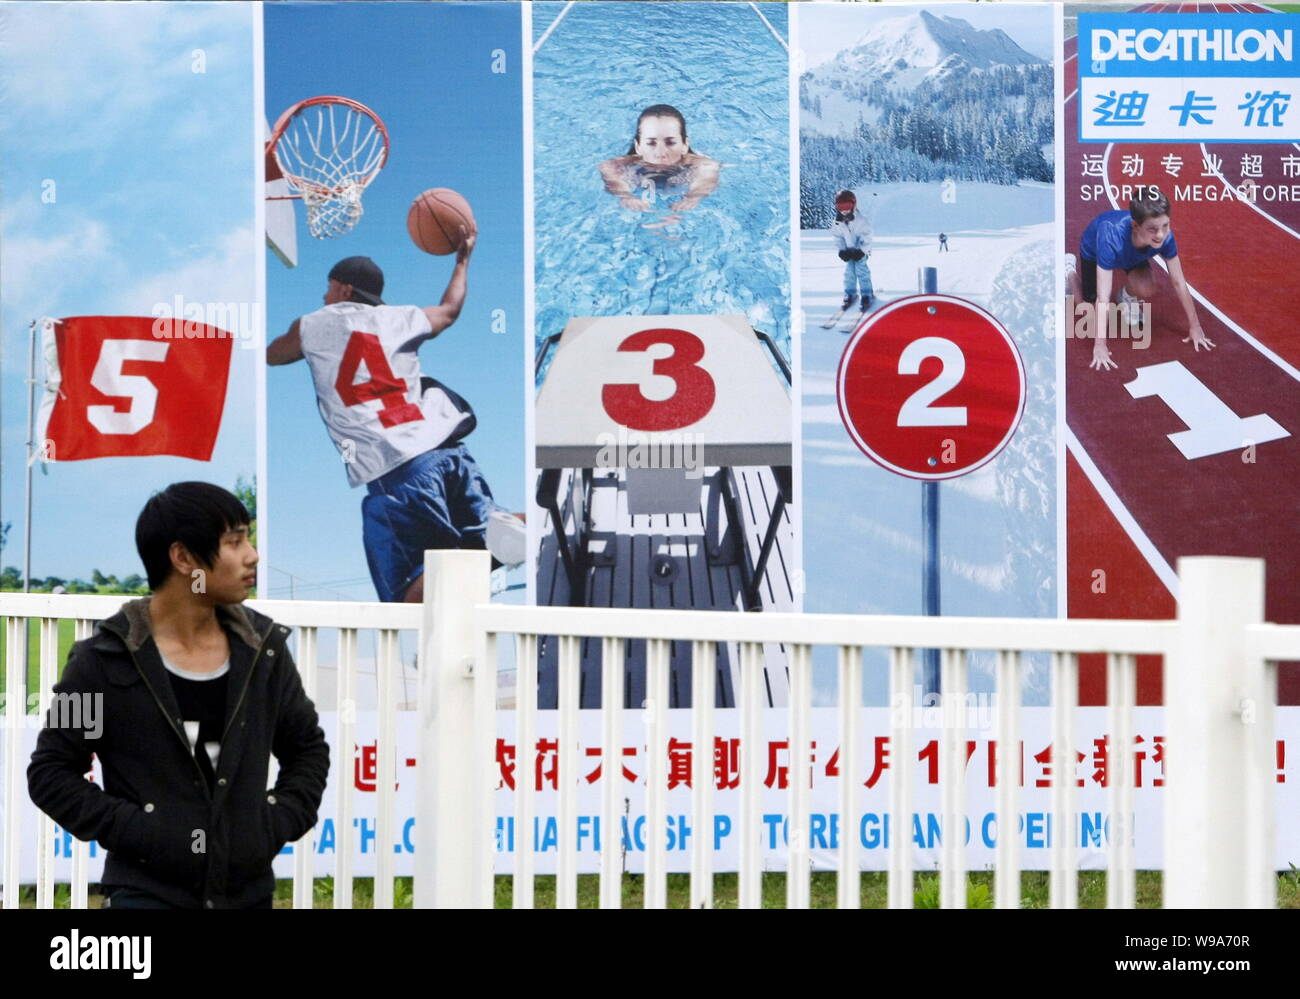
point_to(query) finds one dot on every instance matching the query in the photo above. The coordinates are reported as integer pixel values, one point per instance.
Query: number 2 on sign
(693, 388)
(382, 384)
(916, 411)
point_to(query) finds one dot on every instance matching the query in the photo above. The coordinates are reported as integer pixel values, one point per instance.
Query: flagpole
(31, 444)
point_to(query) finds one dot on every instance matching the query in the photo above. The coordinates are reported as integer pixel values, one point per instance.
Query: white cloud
(224, 274)
(84, 75)
(43, 274)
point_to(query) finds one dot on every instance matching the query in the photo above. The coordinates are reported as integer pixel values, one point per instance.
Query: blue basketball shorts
(438, 499)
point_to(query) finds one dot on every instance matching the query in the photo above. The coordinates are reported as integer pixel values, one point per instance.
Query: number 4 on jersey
(382, 384)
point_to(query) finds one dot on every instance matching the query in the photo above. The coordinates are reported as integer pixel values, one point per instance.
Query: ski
(858, 315)
(835, 318)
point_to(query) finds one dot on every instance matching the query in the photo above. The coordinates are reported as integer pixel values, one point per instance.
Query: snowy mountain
(896, 56)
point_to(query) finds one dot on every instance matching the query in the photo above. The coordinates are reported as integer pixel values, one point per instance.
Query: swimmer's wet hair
(1148, 206)
(658, 111)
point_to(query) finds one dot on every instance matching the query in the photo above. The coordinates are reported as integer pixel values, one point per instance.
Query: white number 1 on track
(1212, 427)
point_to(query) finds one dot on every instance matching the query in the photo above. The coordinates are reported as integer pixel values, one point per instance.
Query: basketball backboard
(281, 219)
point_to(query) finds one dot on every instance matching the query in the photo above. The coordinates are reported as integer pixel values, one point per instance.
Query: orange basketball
(435, 219)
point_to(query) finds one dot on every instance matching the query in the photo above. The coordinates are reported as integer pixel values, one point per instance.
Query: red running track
(1237, 258)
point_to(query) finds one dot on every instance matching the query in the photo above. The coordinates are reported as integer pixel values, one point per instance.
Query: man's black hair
(196, 514)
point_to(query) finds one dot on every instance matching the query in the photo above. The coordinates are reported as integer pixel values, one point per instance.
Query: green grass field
(34, 653)
(1033, 891)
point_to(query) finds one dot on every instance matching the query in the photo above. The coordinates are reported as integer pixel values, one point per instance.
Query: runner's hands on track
(1101, 356)
(1197, 338)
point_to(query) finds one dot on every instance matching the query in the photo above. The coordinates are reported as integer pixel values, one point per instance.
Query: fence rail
(1220, 688)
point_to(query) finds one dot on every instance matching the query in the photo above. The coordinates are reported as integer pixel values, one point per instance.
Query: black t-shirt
(202, 700)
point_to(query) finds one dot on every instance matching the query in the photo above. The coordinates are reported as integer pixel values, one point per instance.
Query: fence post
(446, 809)
(1218, 713)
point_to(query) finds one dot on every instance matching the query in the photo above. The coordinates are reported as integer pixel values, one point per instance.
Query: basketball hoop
(328, 150)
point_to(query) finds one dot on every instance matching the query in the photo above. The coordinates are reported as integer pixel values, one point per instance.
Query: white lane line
(554, 24)
(1121, 513)
(769, 27)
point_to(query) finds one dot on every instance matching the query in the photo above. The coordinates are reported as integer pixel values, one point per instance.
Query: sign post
(931, 387)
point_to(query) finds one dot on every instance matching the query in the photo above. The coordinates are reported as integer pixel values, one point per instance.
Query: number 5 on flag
(114, 389)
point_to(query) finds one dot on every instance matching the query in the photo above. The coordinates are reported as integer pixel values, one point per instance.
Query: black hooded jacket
(165, 832)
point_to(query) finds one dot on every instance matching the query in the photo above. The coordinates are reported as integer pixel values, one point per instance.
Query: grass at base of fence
(1033, 891)
(66, 629)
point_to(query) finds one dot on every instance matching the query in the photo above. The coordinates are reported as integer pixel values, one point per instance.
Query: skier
(853, 240)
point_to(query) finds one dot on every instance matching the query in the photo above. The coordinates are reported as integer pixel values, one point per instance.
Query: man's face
(335, 292)
(1153, 232)
(234, 570)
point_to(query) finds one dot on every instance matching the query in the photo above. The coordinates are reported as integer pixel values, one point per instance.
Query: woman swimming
(660, 158)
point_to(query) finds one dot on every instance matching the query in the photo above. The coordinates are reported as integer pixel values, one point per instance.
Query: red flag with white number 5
(115, 388)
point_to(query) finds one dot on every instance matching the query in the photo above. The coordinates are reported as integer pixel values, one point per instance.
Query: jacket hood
(134, 626)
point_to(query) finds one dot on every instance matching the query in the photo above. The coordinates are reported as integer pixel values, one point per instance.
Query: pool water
(727, 74)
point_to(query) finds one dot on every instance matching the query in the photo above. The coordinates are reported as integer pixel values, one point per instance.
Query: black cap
(363, 274)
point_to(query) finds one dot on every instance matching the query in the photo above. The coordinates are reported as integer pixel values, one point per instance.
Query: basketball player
(398, 431)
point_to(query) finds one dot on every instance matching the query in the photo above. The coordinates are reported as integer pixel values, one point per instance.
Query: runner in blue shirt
(1114, 257)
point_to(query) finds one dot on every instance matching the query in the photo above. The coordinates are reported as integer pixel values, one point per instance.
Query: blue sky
(138, 119)
(426, 70)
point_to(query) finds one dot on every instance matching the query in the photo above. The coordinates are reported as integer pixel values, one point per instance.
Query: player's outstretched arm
(285, 349)
(443, 314)
(1195, 335)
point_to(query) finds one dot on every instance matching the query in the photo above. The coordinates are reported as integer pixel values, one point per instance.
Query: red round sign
(931, 387)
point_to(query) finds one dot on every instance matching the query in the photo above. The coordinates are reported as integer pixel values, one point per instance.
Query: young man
(852, 235)
(184, 696)
(1114, 261)
(399, 432)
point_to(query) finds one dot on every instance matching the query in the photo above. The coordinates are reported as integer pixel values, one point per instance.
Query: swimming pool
(726, 72)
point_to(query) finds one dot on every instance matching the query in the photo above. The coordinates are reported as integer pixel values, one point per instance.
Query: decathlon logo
(102, 953)
(1190, 45)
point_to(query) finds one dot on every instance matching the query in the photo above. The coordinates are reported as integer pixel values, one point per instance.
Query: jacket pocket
(177, 842)
(254, 843)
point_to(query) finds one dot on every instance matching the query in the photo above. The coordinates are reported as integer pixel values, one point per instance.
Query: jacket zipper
(203, 781)
(248, 680)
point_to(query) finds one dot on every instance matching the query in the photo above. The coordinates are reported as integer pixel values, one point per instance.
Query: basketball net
(329, 153)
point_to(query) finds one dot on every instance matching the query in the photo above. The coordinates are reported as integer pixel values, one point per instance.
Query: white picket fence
(1219, 692)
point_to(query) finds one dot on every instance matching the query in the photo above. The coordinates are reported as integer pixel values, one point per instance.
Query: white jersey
(852, 235)
(363, 360)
